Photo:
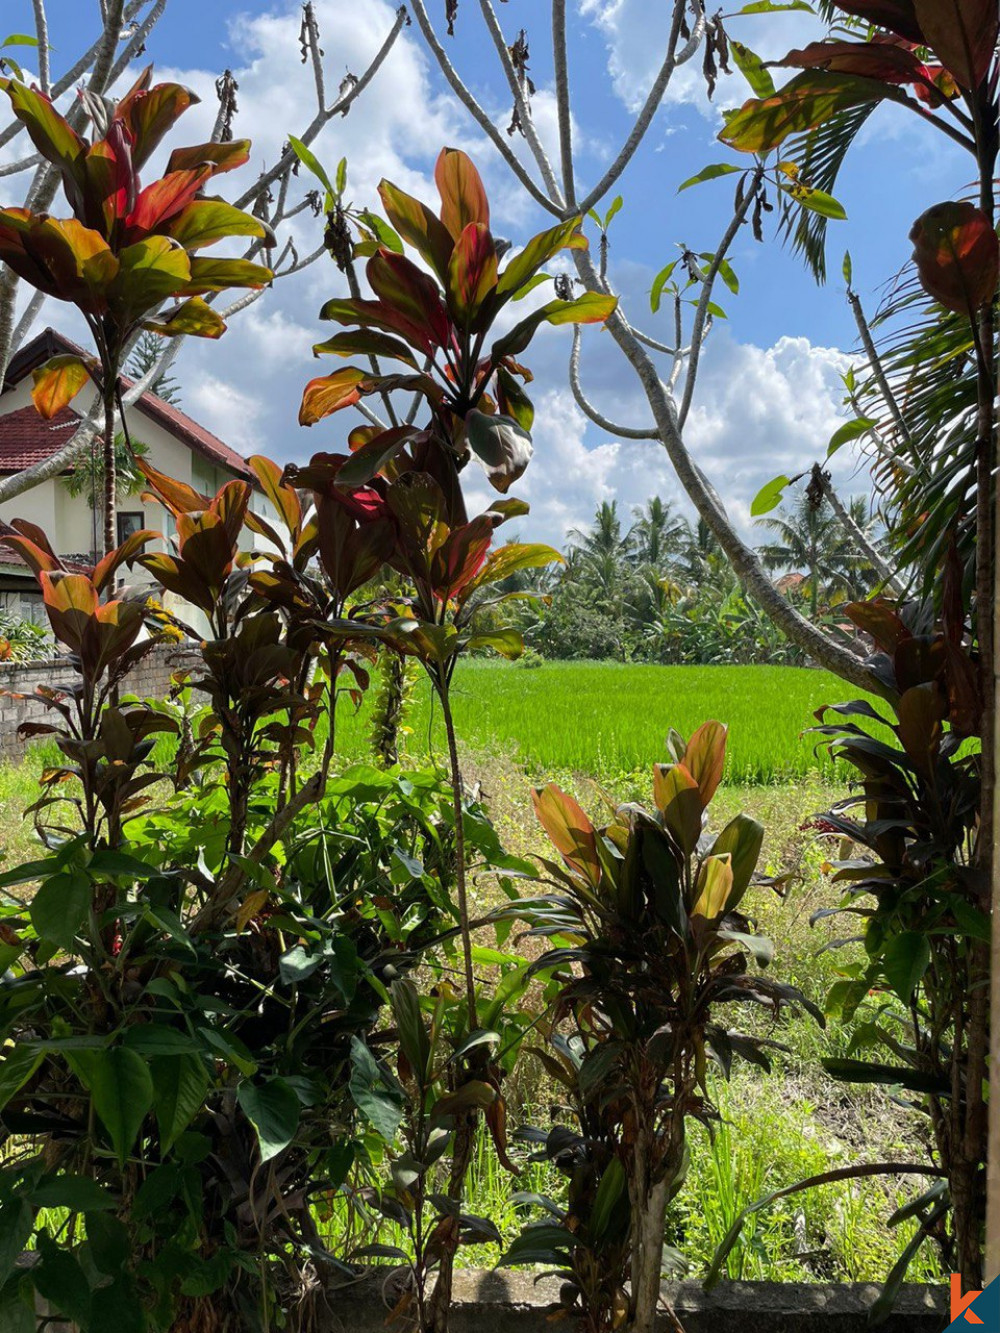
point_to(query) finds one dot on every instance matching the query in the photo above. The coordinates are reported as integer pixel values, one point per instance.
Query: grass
(606, 719)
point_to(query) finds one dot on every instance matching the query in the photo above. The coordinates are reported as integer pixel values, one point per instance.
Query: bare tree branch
(878, 370)
(587, 408)
(563, 101)
(341, 107)
(42, 34)
(476, 111)
(857, 533)
(652, 103)
(699, 331)
(525, 119)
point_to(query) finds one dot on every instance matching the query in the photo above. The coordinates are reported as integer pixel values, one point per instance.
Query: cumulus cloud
(758, 411)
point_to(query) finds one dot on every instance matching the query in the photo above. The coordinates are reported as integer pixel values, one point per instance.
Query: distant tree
(87, 477)
(146, 355)
(810, 538)
(658, 533)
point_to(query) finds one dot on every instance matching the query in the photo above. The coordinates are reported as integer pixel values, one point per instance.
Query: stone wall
(150, 679)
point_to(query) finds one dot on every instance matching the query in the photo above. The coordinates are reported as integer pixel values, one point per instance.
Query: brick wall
(150, 679)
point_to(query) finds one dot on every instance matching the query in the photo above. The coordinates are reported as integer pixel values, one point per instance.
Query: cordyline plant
(438, 326)
(651, 940)
(938, 58)
(127, 249)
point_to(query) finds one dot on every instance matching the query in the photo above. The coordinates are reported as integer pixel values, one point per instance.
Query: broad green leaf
(850, 430)
(376, 1093)
(709, 173)
(60, 907)
(80, 1194)
(848, 268)
(742, 839)
(121, 1089)
(905, 959)
(752, 68)
(309, 159)
(659, 282)
(538, 251)
(17, 1222)
(769, 496)
(274, 1110)
(509, 643)
(19, 1063)
(60, 1280)
(817, 201)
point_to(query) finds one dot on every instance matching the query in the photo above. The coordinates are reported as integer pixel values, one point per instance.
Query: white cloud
(637, 31)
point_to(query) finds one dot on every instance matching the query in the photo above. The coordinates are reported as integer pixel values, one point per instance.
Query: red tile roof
(51, 343)
(26, 439)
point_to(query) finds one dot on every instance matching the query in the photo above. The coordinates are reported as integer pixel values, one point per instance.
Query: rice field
(607, 718)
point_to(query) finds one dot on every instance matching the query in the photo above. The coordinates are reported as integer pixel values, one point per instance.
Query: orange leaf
(57, 383)
(571, 832)
(329, 394)
(705, 758)
(463, 198)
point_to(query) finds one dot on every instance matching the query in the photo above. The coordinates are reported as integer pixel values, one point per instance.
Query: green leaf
(60, 907)
(615, 208)
(118, 1307)
(341, 177)
(181, 1083)
(905, 959)
(817, 201)
(108, 1240)
(60, 1280)
(80, 1194)
(769, 496)
(121, 1089)
(728, 276)
(542, 1244)
(609, 1193)
(273, 1109)
(17, 1221)
(848, 269)
(850, 430)
(309, 159)
(709, 173)
(18, 39)
(859, 1071)
(376, 1093)
(752, 68)
(659, 282)
(812, 98)
(19, 1063)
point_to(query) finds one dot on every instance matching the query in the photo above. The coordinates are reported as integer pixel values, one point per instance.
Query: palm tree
(658, 533)
(605, 537)
(811, 538)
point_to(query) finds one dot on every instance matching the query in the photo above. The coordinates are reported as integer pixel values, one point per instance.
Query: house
(176, 444)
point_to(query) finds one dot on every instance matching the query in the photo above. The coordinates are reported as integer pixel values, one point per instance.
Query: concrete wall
(151, 679)
(504, 1302)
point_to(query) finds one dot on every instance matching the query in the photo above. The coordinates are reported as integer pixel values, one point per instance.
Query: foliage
(87, 477)
(21, 640)
(648, 940)
(923, 907)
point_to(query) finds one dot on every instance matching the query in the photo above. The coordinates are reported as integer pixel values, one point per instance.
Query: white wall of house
(68, 520)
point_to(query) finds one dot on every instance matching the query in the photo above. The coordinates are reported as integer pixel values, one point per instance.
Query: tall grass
(605, 718)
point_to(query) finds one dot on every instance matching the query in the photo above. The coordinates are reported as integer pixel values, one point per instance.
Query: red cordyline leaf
(472, 272)
(885, 58)
(899, 16)
(412, 294)
(463, 196)
(460, 557)
(962, 34)
(957, 256)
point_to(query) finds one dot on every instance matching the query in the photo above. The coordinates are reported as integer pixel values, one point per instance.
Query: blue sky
(769, 396)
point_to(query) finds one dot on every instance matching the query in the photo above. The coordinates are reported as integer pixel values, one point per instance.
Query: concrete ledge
(505, 1302)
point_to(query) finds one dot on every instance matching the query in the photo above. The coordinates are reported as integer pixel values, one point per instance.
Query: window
(129, 523)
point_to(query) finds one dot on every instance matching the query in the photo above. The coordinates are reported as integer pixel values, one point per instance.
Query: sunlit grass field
(607, 719)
